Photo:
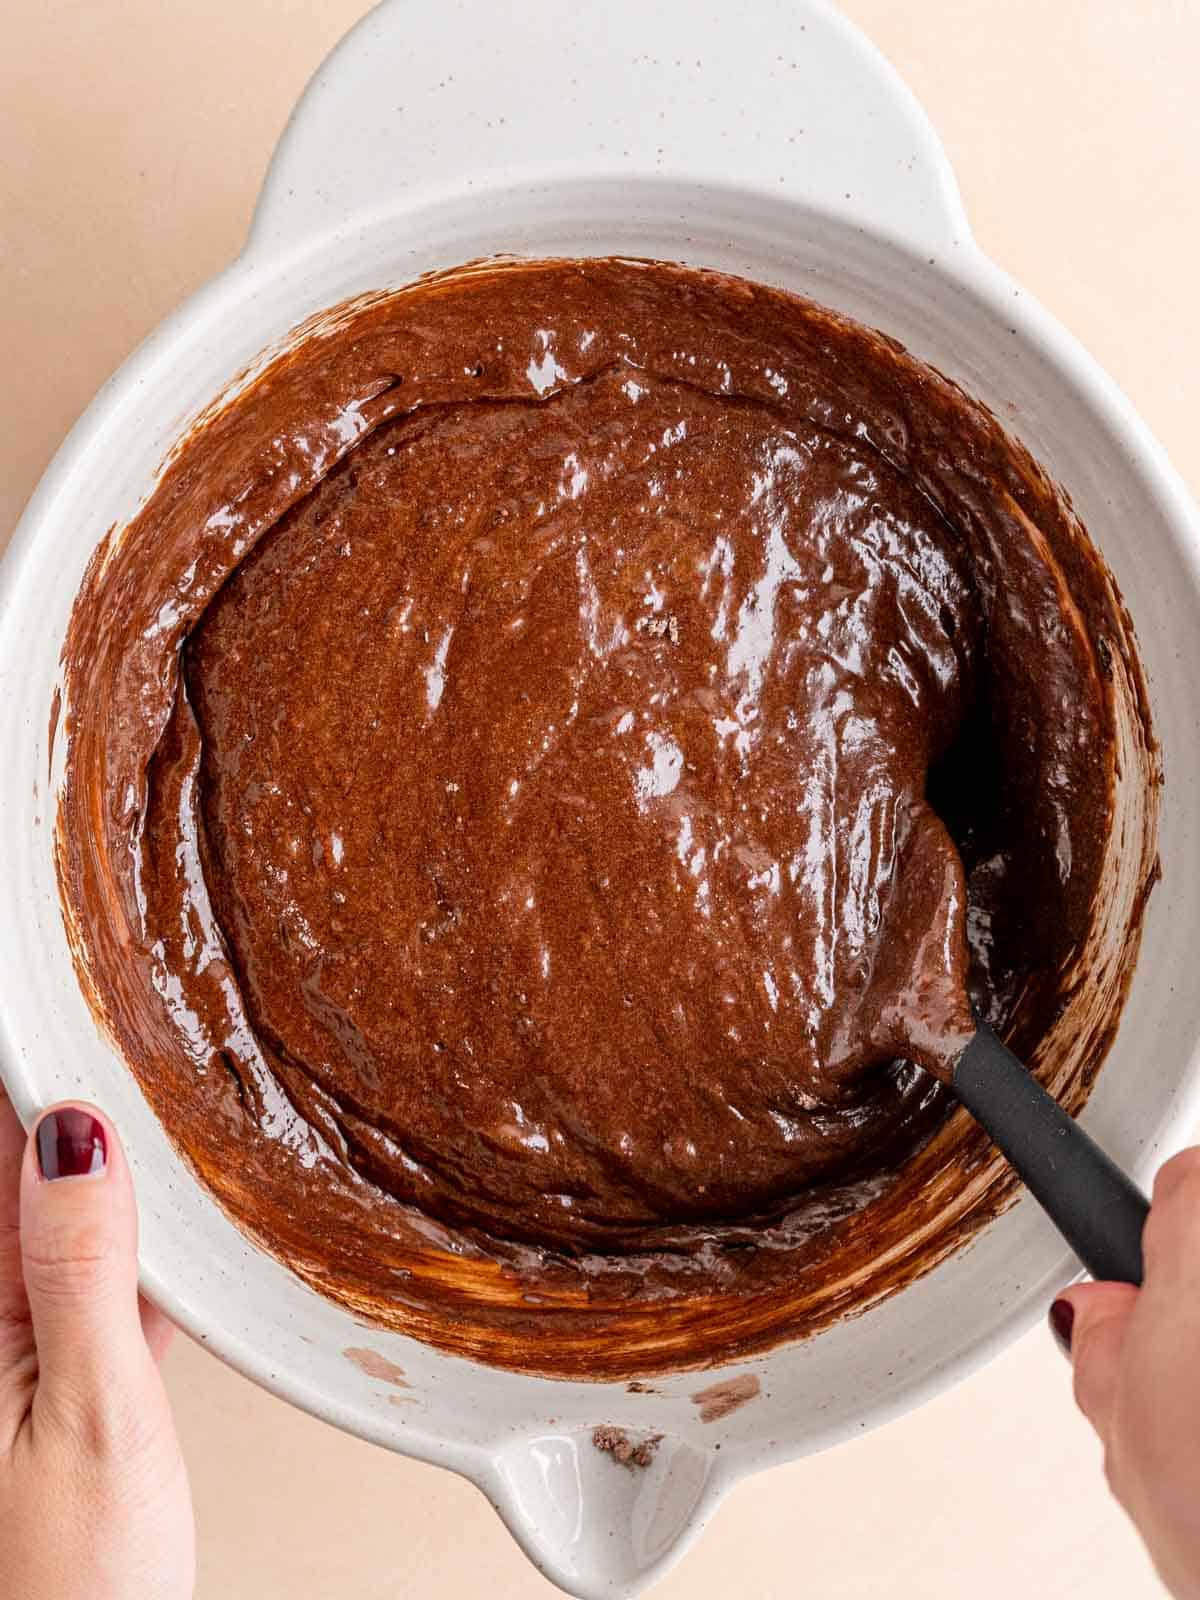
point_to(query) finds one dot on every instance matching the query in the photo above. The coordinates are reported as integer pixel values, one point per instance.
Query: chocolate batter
(551, 765)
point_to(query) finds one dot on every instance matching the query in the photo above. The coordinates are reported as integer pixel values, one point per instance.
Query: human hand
(94, 1497)
(1136, 1357)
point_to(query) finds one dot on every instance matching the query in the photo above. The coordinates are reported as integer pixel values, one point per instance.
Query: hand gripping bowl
(779, 146)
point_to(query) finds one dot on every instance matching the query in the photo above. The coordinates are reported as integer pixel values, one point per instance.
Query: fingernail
(1062, 1320)
(71, 1143)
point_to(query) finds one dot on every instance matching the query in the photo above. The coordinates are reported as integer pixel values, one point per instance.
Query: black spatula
(1098, 1210)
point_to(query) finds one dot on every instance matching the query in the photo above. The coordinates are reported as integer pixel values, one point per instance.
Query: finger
(13, 1308)
(1171, 1241)
(18, 1358)
(79, 1258)
(157, 1328)
(1101, 1313)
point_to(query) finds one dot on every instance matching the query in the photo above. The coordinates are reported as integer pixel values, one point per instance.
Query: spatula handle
(1097, 1209)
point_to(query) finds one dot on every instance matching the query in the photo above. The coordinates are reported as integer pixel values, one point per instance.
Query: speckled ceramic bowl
(775, 143)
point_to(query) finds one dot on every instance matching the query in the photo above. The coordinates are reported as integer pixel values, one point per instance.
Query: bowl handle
(783, 96)
(597, 1527)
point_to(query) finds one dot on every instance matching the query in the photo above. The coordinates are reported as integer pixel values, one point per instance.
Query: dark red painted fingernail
(1062, 1320)
(71, 1143)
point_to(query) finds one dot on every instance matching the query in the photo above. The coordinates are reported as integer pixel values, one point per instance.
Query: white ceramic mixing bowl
(777, 144)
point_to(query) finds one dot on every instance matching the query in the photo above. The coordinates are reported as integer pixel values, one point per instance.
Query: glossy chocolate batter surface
(553, 725)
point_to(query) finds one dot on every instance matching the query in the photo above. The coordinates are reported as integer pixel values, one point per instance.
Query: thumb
(1099, 1317)
(79, 1260)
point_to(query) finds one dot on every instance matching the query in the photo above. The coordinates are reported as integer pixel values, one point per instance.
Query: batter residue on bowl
(542, 766)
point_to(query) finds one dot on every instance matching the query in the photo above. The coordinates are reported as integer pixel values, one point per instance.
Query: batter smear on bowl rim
(554, 760)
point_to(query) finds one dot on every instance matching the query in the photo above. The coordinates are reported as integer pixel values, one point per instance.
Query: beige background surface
(133, 135)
